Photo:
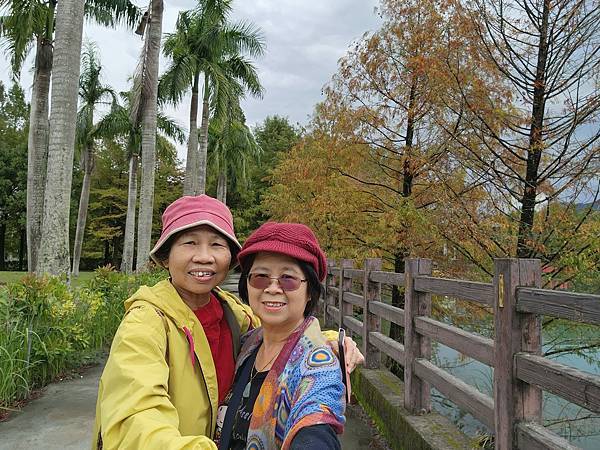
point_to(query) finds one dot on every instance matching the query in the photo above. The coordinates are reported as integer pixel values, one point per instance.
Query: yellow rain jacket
(159, 387)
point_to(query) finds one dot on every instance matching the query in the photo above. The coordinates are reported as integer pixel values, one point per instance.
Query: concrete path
(62, 419)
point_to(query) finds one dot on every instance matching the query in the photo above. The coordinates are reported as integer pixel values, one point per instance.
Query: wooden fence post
(514, 332)
(329, 281)
(345, 285)
(371, 322)
(417, 397)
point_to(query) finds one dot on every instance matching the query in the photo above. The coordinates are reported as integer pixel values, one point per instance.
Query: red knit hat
(188, 212)
(291, 239)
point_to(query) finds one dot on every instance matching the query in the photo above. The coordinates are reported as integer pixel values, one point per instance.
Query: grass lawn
(10, 277)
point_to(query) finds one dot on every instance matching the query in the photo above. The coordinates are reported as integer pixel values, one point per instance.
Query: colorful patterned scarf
(303, 388)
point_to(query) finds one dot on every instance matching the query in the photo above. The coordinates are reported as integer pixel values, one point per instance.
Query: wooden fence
(520, 372)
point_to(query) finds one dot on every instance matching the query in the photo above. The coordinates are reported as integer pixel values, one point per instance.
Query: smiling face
(275, 307)
(198, 261)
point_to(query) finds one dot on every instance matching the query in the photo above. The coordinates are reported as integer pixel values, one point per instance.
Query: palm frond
(111, 13)
(114, 124)
(243, 38)
(176, 80)
(139, 91)
(24, 21)
(170, 128)
(245, 72)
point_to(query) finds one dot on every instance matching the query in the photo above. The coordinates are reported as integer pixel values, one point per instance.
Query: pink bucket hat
(291, 239)
(188, 212)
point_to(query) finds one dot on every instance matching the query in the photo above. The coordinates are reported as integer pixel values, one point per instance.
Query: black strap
(234, 401)
(234, 327)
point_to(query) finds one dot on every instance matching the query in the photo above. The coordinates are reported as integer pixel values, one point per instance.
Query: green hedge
(48, 328)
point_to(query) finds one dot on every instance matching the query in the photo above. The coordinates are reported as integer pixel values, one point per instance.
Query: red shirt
(219, 338)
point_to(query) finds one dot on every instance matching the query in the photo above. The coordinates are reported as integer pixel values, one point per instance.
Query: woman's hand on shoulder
(353, 355)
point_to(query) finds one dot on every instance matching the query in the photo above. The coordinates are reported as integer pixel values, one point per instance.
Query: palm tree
(231, 145)
(91, 92)
(54, 248)
(144, 110)
(28, 23)
(118, 124)
(206, 44)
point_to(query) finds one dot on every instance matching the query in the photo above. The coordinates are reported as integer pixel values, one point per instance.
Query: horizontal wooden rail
(571, 384)
(354, 273)
(353, 324)
(397, 279)
(566, 305)
(466, 397)
(520, 375)
(353, 299)
(332, 310)
(333, 290)
(388, 346)
(466, 290)
(470, 344)
(532, 436)
(387, 312)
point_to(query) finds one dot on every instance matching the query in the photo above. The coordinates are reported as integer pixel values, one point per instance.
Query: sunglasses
(262, 281)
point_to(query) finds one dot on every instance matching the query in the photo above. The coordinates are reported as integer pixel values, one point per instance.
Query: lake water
(583, 432)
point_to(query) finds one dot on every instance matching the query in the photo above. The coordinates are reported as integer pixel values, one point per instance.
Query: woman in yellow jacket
(172, 359)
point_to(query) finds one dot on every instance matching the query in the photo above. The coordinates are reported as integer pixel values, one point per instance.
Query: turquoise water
(584, 433)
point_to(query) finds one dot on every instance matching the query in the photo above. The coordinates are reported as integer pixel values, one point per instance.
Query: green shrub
(48, 327)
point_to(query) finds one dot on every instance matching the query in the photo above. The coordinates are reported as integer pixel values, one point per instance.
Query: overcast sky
(304, 40)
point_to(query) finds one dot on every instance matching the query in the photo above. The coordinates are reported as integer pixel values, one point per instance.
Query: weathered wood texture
(566, 305)
(335, 271)
(353, 299)
(515, 332)
(371, 321)
(396, 279)
(355, 325)
(354, 273)
(388, 346)
(334, 313)
(532, 436)
(465, 290)
(571, 384)
(344, 285)
(417, 396)
(459, 392)
(470, 344)
(328, 319)
(387, 312)
(334, 291)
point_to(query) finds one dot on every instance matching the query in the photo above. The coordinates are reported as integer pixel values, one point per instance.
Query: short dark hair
(162, 254)
(314, 287)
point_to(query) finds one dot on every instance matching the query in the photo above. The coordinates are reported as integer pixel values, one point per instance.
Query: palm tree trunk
(2, 246)
(54, 249)
(37, 145)
(149, 136)
(88, 167)
(127, 259)
(190, 184)
(203, 140)
(106, 253)
(222, 187)
(22, 248)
